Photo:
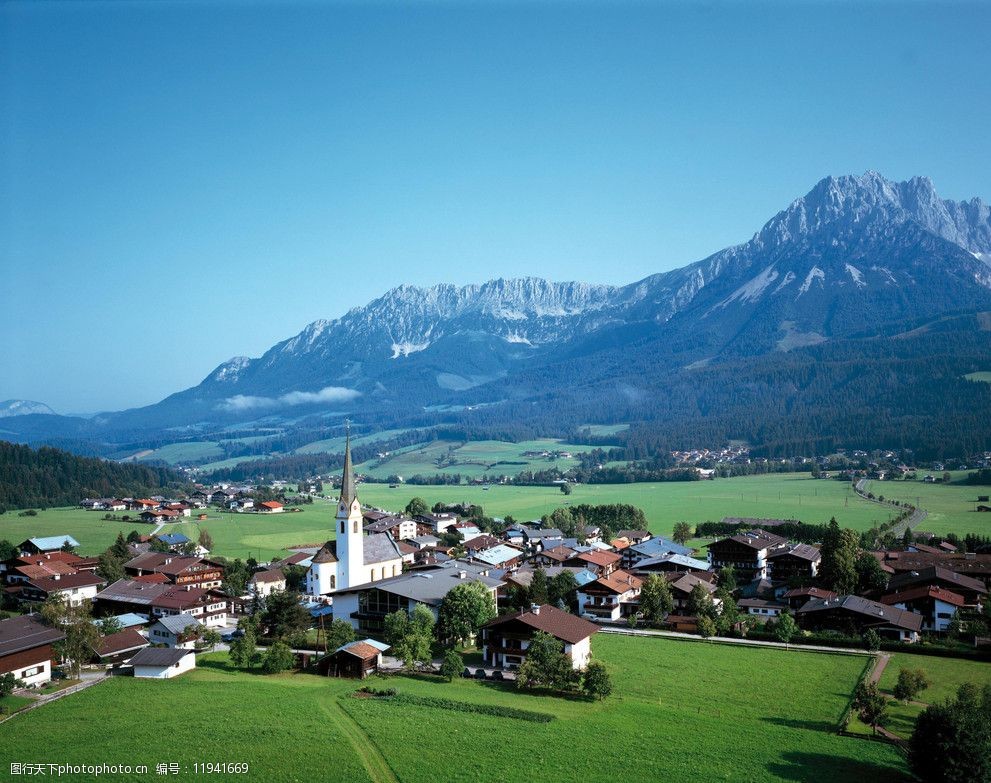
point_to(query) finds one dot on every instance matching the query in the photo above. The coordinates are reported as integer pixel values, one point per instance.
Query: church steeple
(348, 493)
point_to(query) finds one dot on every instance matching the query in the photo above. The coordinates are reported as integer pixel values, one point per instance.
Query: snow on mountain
(23, 408)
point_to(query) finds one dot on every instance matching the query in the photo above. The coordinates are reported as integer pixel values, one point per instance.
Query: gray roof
(427, 587)
(159, 656)
(659, 546)
(681, 560)
(178, 623)
(378, 548)
(803, 551)
(132, 592)
(543, 532)
(53, 542)
(880, 613)
(25, 633)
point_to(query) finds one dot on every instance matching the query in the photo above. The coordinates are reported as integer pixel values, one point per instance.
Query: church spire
(347, 478)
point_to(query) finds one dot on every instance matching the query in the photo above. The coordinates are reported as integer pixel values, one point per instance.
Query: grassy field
(680, 710)
(946, 675)
(981, 377)
(89, 528)
(791, 495)
(472, 458)
(951, 507)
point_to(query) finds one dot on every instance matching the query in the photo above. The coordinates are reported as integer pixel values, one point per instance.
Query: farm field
(89, 528)
(951, 507)
(696, 697)
(472, 458)
(946, 675)
(788, 495)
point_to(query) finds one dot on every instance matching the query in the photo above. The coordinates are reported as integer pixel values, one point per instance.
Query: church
(353, 558)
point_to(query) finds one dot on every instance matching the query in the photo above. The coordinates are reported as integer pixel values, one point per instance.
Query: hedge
(458, 706)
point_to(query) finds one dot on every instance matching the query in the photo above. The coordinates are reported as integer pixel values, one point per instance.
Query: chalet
(522, 577)
(610, 598)
(671, 562)
(936, 605)
(222, 497)
(537, 539)
(356, 659)
(439, 523)
(505, 639)
(795, 561)
(467, 530)
(73, 588)
(181, 509)
(501, 556)
(142, 504)
(176, 630)
(682, 585)
(118, 647)
(178, 569)
(174, 541)
(800, 596)
(425, 542)
(366, 606)
(22, 569)
(976, 566)
(264, 583)
(270, 507)
(160, 600)
(241, 504)
(480, 543)
(162, 663)
(761, 608)
(596, 561)
(554, 556)
(854, 615)
(746, 552)
(973, 591)
(634, 536)
(156, 517)
(40, 546)
(400, 528)
(26, 649)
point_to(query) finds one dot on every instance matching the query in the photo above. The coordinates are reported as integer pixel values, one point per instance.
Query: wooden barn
(355, 659)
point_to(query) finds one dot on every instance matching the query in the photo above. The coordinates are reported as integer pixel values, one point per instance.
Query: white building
(352, 558)
(177, 630)
(162, 663)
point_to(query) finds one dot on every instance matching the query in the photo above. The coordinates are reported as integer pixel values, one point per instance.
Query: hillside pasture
(680, 711)
(952, 507)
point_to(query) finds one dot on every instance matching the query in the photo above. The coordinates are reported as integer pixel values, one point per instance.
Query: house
(426, 541)
(160, 600)
(129, 620)
(162, 663)
(800, 596)
(746, 552)
(142, 504)
(155, 517)
(480, 543)
(269, 507)
(264, 583)
(366, 606)
(174, 541)
(505, 639)
(937, 605)
(185, 570)
(522, 577)
(40, 546)
(439, 523)
(356, 659)
(851, 614)
(682, 585)
(554, 556)
(399, 527)
(597, 561)
(795, 561)
(176, 630)
(541, 538)
(761, 608)
(26, 649)
(118, 647)
(657, 546)
(634, 536)
(73, 588)
(467, 530)
(352, 558)
(971, 590)
(610, 598)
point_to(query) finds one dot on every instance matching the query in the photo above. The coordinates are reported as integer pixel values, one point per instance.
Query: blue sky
(184, 182)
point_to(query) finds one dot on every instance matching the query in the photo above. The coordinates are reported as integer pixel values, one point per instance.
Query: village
(417, 589)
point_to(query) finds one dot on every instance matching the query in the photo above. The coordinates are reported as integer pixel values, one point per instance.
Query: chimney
(462, 574)
(56, 577)
(535, 608)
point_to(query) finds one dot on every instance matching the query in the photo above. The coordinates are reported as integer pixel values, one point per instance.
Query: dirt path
(879, 667)
(372, 760)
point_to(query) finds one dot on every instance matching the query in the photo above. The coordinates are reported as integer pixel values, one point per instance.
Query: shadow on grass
(810, 725)
(819, 767)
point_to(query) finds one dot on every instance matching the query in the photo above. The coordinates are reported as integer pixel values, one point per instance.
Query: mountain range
(860, 268)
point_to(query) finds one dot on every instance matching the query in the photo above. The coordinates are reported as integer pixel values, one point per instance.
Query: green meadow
(680, 711)
(952, 507)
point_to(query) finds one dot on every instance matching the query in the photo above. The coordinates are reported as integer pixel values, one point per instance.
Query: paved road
(912, 522)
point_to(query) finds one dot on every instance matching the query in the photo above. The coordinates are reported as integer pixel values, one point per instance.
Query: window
(342, 526)
(333, 582)
(354, 527)
(35, 670)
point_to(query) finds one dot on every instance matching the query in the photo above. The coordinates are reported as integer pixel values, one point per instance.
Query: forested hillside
(50, 477)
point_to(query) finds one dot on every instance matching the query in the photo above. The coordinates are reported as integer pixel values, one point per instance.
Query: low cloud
(328, 394)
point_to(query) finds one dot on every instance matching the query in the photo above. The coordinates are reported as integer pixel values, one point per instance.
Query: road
(913, 521)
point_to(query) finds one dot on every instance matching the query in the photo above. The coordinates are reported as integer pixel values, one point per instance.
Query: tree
(206, 540)
(565, 488)
(284, 616)
(727, 579)
(464, 610)
(120, 549)
(76, 622)
(453, 665)
(682, 532)
(837, 567)
(236, 576)
(417, 507)
(109, 626)
(911, 682)
(872, 641)
(8, 683)
(410, 636)
(871, 705)
(785, 629)
(561, 588)
(279, 658)
(539, 593)
(729, 616)
(133, 537)
(596, 682)
(700, 603)
(546, 665)
(907, 538)
(656, 601)
(243, 650)
(339, 633)
(870, 575)
(706, 626)
(110, 566)
(951, 742)
(7, 551)
(210, 637)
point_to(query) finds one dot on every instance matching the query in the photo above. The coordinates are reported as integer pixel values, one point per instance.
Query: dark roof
(271, 575)
(25, 633)
(159, 656)
(755, 522)
(327, 553)
(378, 548)
(880, 613)
(755, 539)
(51, 584)
(803, 551)
(810, 592)
(128, 639)
(550, 619)
(935, 573)
(544, 532)
(924, 591)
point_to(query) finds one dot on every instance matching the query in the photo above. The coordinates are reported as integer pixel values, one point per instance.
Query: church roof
(327, 553)
(378, 548)
(348, 492)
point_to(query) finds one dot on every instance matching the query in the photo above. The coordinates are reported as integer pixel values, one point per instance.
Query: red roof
(925, 591)
(64, 557)
(128, 639)
(599, 557)
(550, 619)
(270, 504)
